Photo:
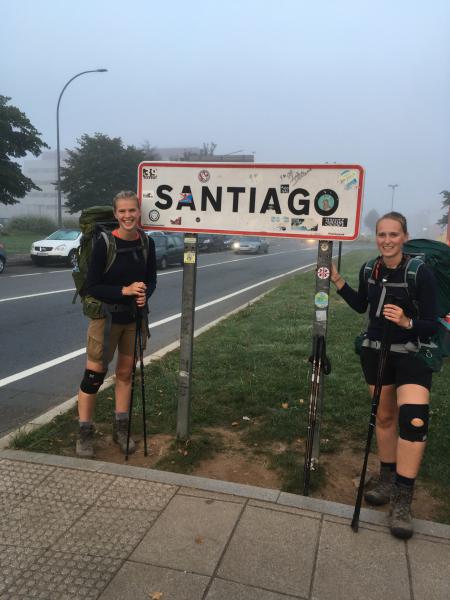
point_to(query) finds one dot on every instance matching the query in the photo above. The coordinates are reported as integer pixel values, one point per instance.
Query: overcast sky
(364, 81)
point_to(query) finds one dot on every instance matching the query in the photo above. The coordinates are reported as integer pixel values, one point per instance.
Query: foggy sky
(293, 81)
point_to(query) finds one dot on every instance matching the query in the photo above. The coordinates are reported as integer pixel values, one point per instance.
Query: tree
(99, 168)
(17, 137)
(445, 204)
(371, 219)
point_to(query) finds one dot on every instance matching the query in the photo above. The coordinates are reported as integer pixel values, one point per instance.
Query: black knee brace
(409, 431)
(91, 381)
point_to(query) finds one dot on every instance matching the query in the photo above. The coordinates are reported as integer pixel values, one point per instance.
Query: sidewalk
(73, 528)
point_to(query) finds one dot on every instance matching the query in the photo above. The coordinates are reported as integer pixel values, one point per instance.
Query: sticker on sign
(302, 201)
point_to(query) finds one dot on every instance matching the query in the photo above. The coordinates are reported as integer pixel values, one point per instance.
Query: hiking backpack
(436, 256)
(98, 222)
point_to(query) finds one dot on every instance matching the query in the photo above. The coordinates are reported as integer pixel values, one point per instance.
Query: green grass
(255, 364)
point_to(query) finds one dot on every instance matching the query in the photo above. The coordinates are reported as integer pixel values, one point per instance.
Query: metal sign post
(187, 334)
(319, 360)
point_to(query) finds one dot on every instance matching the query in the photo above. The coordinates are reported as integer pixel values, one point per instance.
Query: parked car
(210, 242)
(60, 246)
(250, 245)
(169, 248)
(2, 258)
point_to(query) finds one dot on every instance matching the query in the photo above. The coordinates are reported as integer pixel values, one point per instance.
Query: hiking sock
(388, 465)
(406, 481)
(121, 416)
(85, 424)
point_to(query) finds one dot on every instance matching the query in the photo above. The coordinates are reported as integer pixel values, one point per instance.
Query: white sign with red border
(304, 201)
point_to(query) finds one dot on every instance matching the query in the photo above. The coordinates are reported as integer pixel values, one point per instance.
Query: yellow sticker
(189, 258)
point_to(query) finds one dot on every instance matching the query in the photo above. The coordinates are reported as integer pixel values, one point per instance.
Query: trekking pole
(133, 378)
(384, 351)
(317, 356)
(141, 360)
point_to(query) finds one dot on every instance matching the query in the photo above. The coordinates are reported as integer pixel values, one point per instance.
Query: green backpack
(436, 256)
(97, 222)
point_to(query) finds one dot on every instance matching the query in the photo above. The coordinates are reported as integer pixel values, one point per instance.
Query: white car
(59, 246)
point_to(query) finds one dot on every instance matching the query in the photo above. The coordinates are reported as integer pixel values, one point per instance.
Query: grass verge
(251, 372)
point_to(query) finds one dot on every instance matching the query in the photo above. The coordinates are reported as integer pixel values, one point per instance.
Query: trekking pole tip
(355, 524)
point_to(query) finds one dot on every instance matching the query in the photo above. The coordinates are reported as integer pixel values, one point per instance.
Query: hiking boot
(381, 492)
(120, 433)
(400, 519)
(85, 442)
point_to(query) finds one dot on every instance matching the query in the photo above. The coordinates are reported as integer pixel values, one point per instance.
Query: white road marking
(40, 273)
(159, 274)
(35, 295)
(56, 361)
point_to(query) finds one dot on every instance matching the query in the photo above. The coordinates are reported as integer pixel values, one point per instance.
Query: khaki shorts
(121, 337)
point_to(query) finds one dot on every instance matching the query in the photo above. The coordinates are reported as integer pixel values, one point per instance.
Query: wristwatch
(410, 325)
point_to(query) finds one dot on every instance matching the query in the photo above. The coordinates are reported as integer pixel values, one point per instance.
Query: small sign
(321, 299)
(284, 200)
(323, 273)
(189, 258)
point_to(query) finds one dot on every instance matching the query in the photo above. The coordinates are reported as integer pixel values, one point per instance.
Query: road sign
(304, 201)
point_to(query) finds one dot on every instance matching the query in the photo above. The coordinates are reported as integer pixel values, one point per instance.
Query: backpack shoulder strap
(368, 270)
(111, 248)
(411, 269)
(145, 244)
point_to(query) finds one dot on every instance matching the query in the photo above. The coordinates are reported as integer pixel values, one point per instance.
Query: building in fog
(42, 171)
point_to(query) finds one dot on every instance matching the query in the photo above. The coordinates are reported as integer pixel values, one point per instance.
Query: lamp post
(57, 137)
(393, 186)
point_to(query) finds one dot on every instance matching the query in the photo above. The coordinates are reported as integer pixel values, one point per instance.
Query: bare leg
(386, 424)
(124, 369)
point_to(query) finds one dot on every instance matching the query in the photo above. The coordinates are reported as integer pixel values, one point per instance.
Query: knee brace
(413, 422)
(91, 381)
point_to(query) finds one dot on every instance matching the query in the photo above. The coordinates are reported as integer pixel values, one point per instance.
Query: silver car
(250, 245)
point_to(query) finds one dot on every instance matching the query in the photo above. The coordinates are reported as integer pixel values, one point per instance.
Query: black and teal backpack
(436, 256)
(97, 222)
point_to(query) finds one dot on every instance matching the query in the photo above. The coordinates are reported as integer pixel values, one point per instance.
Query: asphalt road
(43, 333)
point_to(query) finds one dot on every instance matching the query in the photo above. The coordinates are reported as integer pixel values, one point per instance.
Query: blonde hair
(395, 216)
(124, 195)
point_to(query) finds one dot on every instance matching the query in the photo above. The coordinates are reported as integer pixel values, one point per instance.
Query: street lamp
(393, 186)
(57, 137)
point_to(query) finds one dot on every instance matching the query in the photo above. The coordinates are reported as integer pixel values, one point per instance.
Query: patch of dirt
(240, 463)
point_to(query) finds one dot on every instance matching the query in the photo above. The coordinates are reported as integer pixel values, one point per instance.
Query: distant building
(43, 172)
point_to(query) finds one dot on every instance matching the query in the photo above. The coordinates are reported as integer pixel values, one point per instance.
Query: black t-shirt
(127, 268)
(368, 295)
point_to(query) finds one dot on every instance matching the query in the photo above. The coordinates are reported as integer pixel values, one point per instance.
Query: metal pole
(339, 257)
(187, 334)
(393, 186)
(321, 301)
(58, 159)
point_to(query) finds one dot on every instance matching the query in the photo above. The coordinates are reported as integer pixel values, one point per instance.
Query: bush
(36, 224)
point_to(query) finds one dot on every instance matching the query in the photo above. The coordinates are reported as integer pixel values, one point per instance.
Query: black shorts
(400, 369)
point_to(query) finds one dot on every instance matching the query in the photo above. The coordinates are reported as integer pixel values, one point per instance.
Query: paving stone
(137, 494)
(283, 508)
(368, 564)
(63, 576)
(21, 478)
(430, 569)
(186, 491)
(37, 523)
(272, 550)
(135, 581)
(13, 562)
(102, 531)
(226, 590)
(74, 486)
(9, 501)
(189, 535)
